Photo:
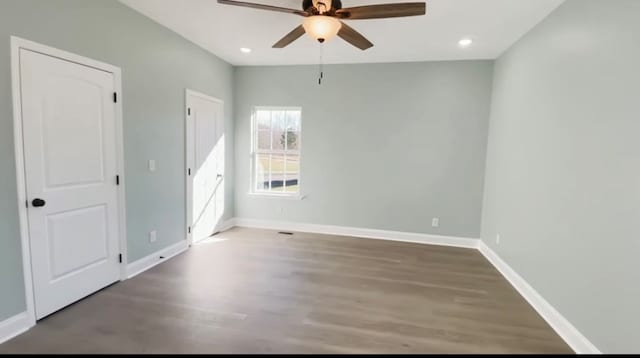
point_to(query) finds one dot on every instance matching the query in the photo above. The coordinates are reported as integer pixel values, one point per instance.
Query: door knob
(38, 202)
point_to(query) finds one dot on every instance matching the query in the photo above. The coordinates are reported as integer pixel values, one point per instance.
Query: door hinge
(120, 258)
(189, 171)
(115, 97)
(26, 203)
(117, 180)
(189, 230)
(189, 111)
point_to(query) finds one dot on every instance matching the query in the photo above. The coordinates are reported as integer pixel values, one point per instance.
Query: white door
(68, 115)
(205, 164)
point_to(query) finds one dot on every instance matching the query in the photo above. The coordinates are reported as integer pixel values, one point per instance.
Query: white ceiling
(494, 25)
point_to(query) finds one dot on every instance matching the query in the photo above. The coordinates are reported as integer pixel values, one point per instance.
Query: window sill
(277, 196)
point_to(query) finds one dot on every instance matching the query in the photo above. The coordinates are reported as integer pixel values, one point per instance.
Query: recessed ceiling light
(465, 42)
(245, 50)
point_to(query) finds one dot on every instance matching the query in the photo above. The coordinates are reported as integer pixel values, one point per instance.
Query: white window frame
(254, 151)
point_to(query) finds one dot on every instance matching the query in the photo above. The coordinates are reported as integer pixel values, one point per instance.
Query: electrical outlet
(435, 222)
(152, 236)
(498, 239)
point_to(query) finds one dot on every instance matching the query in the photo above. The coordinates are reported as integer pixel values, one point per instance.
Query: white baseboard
(21, 322)
(14, 326)
(360, 232)
(226, 225)
(569, 333)
(149, 261)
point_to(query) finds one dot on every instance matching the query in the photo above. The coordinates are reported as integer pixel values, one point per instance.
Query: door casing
(17, 44)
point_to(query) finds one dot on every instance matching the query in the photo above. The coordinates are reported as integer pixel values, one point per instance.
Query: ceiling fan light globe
(321, 27)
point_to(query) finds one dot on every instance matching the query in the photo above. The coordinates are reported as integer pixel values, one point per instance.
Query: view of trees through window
(276, 150)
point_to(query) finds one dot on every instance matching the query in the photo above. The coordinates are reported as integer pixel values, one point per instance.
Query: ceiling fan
(323, 18)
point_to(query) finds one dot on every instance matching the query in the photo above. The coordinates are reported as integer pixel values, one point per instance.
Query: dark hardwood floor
(256, 291)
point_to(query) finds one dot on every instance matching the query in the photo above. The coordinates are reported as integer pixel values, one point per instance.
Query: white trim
(569, 333)
(188, 182)
(17, 44)
(220, 227)
(226, 225)
(360, 233)
(190, 92)
(268, 195)
(122, 203)
(278, 108)
(14, 326)
(137, 267)
(20, 178)
(187, 156)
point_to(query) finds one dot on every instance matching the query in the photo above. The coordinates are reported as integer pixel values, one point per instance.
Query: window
(275, 154)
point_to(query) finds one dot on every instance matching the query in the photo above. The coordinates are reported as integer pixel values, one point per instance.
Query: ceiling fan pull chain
(321, 66)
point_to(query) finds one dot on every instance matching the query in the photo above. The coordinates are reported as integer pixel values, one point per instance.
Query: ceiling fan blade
(382, 11)
(263, 7)
(354, 37)
(290, 37)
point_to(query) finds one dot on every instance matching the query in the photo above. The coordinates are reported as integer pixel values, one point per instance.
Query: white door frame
(188, 144)
(17, 44)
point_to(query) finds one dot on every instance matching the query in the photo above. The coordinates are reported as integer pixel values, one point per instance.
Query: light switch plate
(152, 165)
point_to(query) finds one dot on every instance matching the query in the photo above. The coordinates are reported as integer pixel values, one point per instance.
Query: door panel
(73, 246)
(72, 106)
(205, 155)
(70, 162)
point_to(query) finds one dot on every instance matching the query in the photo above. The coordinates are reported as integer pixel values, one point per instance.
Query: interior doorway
(205, 164)
(69, 159)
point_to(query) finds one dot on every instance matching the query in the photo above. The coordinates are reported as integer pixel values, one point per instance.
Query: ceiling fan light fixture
(321, 28)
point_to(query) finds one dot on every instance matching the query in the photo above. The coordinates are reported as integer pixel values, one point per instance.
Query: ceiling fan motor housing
(335, 4)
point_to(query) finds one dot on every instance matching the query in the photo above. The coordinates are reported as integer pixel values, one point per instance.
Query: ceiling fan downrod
(319, 7)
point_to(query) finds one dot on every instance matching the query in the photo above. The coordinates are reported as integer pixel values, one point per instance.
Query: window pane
(279, 139)
(292, 170)
(262, 172)
(278, 120)
(263, 120)
(293, 120)
(264, 140)
(292, 140)
(279, 123)
(293, 130)
(277, 172)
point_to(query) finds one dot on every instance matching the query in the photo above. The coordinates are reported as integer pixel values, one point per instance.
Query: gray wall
(563, 168)
(157, 65)
(384, 146)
